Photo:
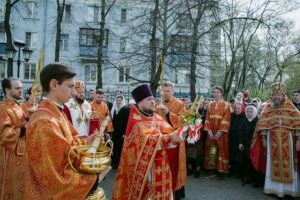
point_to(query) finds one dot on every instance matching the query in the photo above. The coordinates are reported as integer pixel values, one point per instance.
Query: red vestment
(178, 163)
(99, 112)
(144, 170)
(280, 122)
(50, 136)
(12, 150)
(218, 119)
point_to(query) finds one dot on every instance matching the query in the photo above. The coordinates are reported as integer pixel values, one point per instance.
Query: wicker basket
(91, 163)
(97, 195)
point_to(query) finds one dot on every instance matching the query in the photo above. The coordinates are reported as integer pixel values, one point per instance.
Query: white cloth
(80, 119)
(116, 108)
(281, 189)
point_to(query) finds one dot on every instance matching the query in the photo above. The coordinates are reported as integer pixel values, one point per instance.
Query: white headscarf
(254, 112)
(117, 108)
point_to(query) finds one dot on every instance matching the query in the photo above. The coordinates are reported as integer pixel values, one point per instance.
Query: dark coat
(247, 133)
(235, 133)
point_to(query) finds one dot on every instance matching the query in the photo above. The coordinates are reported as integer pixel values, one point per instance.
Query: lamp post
(26, 53)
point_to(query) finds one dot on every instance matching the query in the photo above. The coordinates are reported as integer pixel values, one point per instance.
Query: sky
(295, 16)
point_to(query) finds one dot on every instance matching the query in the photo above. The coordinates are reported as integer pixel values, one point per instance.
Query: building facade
(126, 43)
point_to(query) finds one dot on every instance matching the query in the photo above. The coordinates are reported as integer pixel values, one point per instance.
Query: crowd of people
(258, 142)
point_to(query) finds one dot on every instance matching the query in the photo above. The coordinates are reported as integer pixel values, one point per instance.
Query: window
(2, 6)
(31, 9)
(29, 71)
(181, 43)
(123, 15)
(182, 74)
(67, 13)
(90, 37)
(2, 70)
(90, 72)
(184, 21)
(123, 44)
(93, 14)
(64, 42)
(31, 40)
(2, 37)
(123, 71)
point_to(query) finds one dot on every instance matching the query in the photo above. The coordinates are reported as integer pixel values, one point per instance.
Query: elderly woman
(235, 132)
(248, 128)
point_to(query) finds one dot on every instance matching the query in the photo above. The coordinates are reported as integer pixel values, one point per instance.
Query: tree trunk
(9, 41)
(153, 46)
(60, 14)
(154, 84)
(100, 46)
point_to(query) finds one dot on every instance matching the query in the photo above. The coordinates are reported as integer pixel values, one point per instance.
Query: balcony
(88, 51)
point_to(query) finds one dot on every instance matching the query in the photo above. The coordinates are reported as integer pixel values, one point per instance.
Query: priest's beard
(277, 102)
(79, 100)
(148, 111)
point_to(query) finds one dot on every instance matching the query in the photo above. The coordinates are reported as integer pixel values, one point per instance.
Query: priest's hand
(164, 110)
(298, 144)
(218, 135)
(210, 135)
(241, 147)
(175, 138)
(90, 139)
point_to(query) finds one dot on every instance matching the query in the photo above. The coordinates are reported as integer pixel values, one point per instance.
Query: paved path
(205, 188)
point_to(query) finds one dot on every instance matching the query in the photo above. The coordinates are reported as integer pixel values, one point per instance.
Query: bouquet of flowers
(191, 124)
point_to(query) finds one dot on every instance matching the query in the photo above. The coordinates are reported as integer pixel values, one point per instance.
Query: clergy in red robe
(100, 110)
(50, 136)
(12, 141)
(217, 123)
(144, 170)
(276, 144)
(172, 110)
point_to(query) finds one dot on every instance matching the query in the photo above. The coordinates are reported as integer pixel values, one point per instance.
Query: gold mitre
(278, 87)
(79, 85)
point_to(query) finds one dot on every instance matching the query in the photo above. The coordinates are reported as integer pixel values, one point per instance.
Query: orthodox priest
(276, 144)
(144, 170)
(80, 110)
(12, 141)
(172, 110)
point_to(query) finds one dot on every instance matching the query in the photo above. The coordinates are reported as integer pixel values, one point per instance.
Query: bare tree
(104, 12)
(60, 13)
(8, 8)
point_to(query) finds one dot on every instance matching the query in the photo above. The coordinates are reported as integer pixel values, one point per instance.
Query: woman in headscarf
(237, 120)
(248, 129)
(120, 116)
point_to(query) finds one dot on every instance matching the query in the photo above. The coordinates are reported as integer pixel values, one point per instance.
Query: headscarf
(243, 107)
(254, 112)
(117, 108)
(258, 102)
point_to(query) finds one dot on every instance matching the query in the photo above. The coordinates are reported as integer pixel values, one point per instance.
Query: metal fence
(111, 95)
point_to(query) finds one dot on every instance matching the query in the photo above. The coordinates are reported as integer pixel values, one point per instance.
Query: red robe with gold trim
(280, 122)
(178, 163)
(218, 119)
(12, 150)
(102, 111)
(49, 138)
(144, 169)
